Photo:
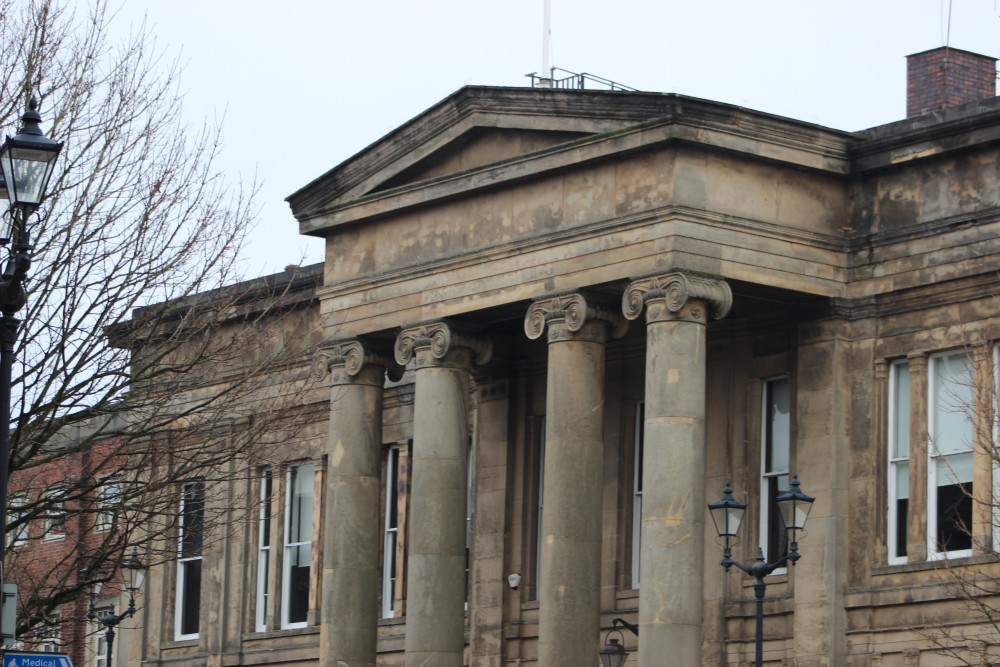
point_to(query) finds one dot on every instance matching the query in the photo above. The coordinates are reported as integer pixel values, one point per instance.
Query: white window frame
(933, 455)
(101, 641)
(50, 639)
(108, 500)
(54, 523)
(895, 462)
(286, 559)
(541, 503)
(390, 531)
(638, 451)
(15, 510)
(183, 563)
(765, 474)
(468, 524)
(263, 548)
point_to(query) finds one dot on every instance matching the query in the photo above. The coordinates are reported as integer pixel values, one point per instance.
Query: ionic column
(351, 533)
(671, 547)
(569, 591)
(435, 603)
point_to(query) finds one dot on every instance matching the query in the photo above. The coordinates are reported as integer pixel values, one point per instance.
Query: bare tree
(970, 632)
(142, 363)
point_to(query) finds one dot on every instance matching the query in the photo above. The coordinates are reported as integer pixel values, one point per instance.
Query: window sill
(53, 538)
(290, 632)
(627, 593)
(933, 564)
(394, 620)
(181, 643)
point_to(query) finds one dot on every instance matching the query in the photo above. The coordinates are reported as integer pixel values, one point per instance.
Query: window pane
(190, 597)
(298, 583)
(952, 396)
(954, 469)
(901, 412)
(300, 522)
(902, 516)
(902, 480)
(265, 509)
(778, 425)
(192, 519)
(777, 536)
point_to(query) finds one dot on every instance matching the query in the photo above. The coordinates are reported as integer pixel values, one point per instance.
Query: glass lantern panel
(800, 511)
(31, 169)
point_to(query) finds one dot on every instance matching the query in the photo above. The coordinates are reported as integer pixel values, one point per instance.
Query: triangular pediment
(474, 127)
(482, 137)
(477, 147)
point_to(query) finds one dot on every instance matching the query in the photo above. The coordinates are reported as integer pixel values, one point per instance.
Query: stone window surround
(919, 456)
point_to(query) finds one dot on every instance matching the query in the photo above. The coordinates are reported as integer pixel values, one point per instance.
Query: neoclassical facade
(556, 322)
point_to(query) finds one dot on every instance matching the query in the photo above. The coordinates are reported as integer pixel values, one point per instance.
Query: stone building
(556, 322)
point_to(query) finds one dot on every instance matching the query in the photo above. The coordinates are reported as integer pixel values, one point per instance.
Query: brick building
(72, 496)
(554, 323)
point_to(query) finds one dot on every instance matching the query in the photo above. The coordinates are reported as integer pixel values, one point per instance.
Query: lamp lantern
(794, 507)
(27, 160)
(613, 654)
(133, 571)
(727, 514)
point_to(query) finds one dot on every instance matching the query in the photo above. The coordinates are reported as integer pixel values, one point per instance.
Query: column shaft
(436, 593)
(672, 540)
(569, 590)
(671, 552)
(435, 603)
(351, 532)
(569, 596)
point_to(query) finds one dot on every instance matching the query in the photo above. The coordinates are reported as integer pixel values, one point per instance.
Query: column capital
(438, 339)
(571, 310)
(350, 361)
(674, 290)
(918, 361)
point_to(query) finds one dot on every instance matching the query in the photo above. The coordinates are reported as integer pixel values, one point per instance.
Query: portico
(523, 270)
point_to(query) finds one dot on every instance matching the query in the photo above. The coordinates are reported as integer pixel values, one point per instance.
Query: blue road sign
(35, 659)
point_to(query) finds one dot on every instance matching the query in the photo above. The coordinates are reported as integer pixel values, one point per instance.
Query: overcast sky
(304, 85)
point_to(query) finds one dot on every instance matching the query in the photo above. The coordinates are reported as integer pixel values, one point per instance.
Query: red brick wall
(945, 77)
(28, 562)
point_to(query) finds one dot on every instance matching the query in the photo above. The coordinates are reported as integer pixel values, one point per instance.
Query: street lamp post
(133, 572)
(727, 514)
(26, 163)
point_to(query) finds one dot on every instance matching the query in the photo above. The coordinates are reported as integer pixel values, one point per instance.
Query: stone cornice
(675, 289)
(440, 338)
(575, 310)
(930, 135)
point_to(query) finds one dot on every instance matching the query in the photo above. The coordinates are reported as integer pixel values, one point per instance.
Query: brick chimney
(946, 77)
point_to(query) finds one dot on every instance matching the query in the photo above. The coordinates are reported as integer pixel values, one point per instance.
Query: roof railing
(567, 80)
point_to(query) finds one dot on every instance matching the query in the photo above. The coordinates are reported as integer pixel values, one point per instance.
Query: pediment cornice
(608, 122)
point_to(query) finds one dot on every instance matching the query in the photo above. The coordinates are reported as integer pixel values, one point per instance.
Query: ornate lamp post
(727, 514)
(133, 573)
(26, 163)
